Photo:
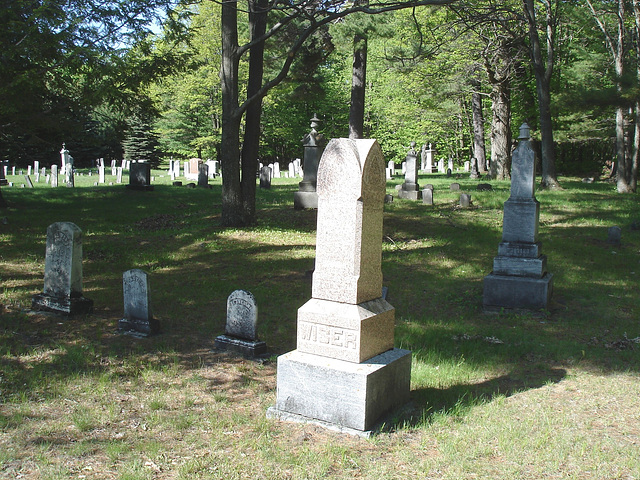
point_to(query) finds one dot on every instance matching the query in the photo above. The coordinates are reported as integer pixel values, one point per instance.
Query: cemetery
(320, 240)
(189, 393)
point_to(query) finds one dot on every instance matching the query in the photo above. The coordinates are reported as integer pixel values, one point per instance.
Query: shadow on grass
(427, 405)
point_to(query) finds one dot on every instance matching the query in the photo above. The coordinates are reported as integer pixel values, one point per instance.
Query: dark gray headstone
(140, 176)
(265, 177)
(203, 175)
(519, 280)
(410, 189)
(63, 272)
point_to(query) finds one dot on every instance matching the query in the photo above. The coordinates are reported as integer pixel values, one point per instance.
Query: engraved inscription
(327, 335)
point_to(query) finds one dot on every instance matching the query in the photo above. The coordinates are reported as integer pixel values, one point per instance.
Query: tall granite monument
(519, 280)
(63, 272)
(345, 373)
(314, 143)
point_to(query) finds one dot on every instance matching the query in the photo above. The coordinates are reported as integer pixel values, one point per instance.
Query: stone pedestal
(519, 280)
(345, 373)
(344, 396)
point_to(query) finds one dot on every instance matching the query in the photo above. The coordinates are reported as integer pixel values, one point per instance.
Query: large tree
(290, 22)
(543, 66)
(54, 61)
(611, 19)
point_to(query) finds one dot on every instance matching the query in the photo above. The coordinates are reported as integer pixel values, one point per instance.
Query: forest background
(143, 82)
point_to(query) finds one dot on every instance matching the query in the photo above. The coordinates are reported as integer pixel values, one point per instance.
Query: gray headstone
(138, 318)
(241, 329)
(427, 196)
(28, 181)
(242, 315)
(454, 187)
(465, 200)
(135, 288)
(63, 271)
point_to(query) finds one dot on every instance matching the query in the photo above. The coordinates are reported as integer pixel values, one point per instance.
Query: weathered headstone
(454, 187)
(519, 279)
(465, 200)
(467, 166)
(140, 176)
(63, 272)
(138, 318)
(54, 175)
(69, 173)
(410, 189)
(119, 175)
(427, 196)
(101, 178)
(265, 177)
(313, 143)
(450, 164)
(28, 181)
(242, 322)
(345, 373)
(441, 166)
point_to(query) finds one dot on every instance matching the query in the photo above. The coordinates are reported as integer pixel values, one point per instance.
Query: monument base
(344, 396)
(516, 293)
(302, 200)
(248, 348)
(410, 194)
(139, 328)
(62, 305)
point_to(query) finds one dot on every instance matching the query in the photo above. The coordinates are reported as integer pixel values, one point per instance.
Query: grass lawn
(509, 396)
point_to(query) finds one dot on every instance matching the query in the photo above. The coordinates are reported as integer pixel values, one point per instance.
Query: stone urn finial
(525, 132)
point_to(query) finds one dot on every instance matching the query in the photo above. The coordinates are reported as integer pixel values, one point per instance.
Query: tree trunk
(479, 152)
(543, 75)
(251, 142)
(232, 214)
(501, 130)
(358, 82)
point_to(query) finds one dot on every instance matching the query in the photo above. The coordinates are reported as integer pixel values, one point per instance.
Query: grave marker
(138, 319)
(410, 189)
(519, 279)
(63, 272)
(345, 373)
(313, 143)
(241, 329)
